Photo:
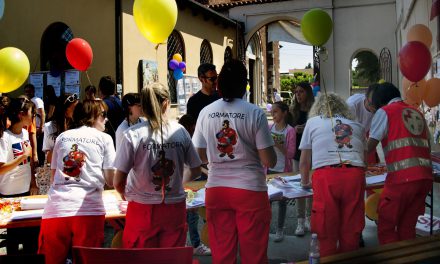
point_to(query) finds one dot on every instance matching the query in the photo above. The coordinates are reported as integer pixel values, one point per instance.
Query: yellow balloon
(155, 18)
(14, 69)
(177, 57)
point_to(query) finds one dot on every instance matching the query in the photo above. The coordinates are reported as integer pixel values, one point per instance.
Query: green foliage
(288, 82)
(309, 66)
(367, 70)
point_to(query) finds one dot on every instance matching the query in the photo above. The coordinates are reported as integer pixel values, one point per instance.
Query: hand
(299, 129)
(34, 190)
(27, 151)
(306, 186)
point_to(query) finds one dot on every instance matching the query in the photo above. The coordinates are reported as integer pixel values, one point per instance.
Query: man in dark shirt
(115, 114)
(208, 94)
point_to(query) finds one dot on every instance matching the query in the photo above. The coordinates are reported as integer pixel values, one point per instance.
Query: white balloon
(2, 8)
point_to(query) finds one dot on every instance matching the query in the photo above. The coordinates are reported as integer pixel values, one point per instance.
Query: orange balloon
(414, 92)
(177, 57)
(421, 33)
(432, 96)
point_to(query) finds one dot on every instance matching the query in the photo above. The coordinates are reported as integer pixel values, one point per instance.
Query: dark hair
(60, 121)
(204, 68)
(87, 112)
(4, 104)
(295, 107)
(371, 89)
(107, 85)
(29, 85)
(232, 80)
(383, 94)
(129, 100)
(187, 121)
(16, 106)
(285, 108)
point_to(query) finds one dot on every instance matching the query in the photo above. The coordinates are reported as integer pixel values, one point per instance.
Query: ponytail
(152, 98)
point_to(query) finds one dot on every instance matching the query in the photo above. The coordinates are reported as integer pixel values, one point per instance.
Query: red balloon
(414, 60)
(79, 54)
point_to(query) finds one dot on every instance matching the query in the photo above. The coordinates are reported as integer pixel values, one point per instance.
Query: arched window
(205, 52)
(175, 45)
(228, 54)
(365, 70)
(53, 48)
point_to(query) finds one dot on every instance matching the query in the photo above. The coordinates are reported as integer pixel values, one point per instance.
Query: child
(284, 137)
(156, 151)
(192, 216)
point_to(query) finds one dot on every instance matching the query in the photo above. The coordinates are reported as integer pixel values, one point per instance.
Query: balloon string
(329, 108)
(88, 78)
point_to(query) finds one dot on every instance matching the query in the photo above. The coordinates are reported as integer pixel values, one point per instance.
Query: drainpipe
(118, 41)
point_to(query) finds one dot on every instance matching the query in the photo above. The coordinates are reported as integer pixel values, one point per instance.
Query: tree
(309, 66)
(289, 82)
(367, 70)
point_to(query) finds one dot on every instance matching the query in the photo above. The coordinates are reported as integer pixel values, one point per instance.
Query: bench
(408, 251)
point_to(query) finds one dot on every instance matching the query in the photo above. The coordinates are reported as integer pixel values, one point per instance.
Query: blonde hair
(338, 107)
(152, 98)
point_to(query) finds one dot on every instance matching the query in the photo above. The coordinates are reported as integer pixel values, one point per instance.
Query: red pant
(155, 225)
(399, 207)
(338, 208)
(58, 235)
(238, 215)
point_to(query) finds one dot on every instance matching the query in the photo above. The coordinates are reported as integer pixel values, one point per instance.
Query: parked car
(287, 97)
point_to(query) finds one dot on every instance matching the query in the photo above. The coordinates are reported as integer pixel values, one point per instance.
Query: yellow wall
(193, 30)
(24, 22)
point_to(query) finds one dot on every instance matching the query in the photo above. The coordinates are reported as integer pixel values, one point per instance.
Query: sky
(294, 56)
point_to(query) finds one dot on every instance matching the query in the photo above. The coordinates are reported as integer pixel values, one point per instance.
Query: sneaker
(307, 224)
(300, 227)
(202, 250)
(279, 235)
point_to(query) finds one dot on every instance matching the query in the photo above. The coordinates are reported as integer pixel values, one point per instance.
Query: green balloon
(316, 26)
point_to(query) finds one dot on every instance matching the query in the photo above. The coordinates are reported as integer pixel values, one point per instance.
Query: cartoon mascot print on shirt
(73, 163)
(162, 169)
(226, 139)
(343, 134)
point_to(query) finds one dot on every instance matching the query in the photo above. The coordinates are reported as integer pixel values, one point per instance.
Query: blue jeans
(192, 218)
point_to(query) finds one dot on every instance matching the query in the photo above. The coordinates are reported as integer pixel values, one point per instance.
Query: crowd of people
(133, 145)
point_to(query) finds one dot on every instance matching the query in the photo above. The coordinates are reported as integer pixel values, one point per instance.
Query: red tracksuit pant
(58, 235)
(155, 225)
(399, 207)
(238, 216)
(338, 212)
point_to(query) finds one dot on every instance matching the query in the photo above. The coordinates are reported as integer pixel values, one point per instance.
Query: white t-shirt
(39, 104)
(279, 136)
(121, 129)
(49, 136)
(346, 137)
(18, 179)
(357, 107)
(79, 158)
(379, 127)
(139, 152)
(233, 151)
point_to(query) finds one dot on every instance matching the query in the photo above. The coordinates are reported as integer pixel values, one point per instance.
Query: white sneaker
(279, 235)
(307, 224)
(300, 227)
(202, 250)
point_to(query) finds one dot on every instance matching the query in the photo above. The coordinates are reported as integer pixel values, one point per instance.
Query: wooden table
(408, 251)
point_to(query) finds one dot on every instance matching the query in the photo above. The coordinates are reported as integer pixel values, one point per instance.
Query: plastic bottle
(314, 250)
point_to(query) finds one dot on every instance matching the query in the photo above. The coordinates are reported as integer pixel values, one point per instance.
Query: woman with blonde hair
(333, 145)
(149, 162)
(299, 109)
(82, 162)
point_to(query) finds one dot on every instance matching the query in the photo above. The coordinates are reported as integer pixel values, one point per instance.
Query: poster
(37, 80)
(186, 87)
(149, 72)
(72, 82)
(55, 82)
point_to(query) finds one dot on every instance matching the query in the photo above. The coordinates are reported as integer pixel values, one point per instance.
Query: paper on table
(291, 189)
(19, 215)
(376, 179)
(274, 193)
(28, 203)
(199, 199)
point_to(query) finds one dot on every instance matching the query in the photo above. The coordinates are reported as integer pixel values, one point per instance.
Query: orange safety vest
(406, 146)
